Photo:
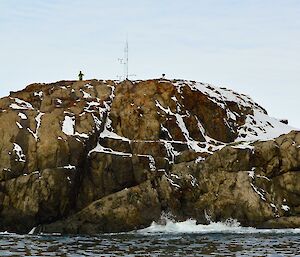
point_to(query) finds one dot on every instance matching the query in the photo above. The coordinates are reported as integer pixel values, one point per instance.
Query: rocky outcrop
(127, 209)
(107, 156)
(257, 185)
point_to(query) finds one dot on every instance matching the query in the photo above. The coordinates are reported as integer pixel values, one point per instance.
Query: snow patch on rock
(22, 116)
(260, 126)
(68, 125)
(285, 207)
(39, 94)
(19, 153)
(20, 105)
(38, 120)
(85, 94)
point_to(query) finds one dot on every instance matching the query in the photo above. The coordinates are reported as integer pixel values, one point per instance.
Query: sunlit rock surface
(100, 156)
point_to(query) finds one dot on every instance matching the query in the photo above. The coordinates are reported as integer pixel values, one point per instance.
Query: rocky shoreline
(106, 156)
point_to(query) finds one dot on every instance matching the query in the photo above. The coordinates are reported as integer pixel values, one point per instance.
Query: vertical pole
(124, 63)
(126, 59)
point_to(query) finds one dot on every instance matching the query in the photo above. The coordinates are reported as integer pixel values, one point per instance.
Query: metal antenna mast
(125, 62)
(126, 59)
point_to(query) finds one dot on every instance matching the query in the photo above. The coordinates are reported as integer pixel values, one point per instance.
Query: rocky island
(107, 156)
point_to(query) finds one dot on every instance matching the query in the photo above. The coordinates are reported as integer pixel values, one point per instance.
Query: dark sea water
(172, 239)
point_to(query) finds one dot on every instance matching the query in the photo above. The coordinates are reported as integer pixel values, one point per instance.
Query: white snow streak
(19, 152)
(20, 105)
(285, 207)
(68, 125)
(38, 120)
(85, 94)
(22, 116)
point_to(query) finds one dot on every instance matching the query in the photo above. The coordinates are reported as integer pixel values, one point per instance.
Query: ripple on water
(153, 244)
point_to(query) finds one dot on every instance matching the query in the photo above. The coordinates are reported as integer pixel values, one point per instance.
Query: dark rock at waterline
(125, 210)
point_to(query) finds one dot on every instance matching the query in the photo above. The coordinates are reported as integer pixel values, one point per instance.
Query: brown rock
(125, 210)
(36, 198)
(69, 150)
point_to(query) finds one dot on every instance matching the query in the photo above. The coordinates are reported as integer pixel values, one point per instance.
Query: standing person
(80, 75)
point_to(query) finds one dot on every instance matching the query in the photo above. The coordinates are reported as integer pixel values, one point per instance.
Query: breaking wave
(230, 226)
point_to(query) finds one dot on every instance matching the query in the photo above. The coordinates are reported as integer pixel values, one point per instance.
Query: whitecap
(230, 226)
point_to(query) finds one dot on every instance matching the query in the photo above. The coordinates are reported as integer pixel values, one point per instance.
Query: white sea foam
(230, 226)
(31, 232)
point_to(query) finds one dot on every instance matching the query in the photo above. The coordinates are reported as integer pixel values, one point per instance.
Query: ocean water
(171, 239)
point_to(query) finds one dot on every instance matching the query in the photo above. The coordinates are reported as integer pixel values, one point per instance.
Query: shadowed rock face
(101, 156)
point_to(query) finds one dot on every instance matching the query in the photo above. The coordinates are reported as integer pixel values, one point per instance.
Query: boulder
(125, 210)
(36, 198)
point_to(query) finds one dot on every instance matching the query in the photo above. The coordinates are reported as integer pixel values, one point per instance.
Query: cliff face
(93, 156)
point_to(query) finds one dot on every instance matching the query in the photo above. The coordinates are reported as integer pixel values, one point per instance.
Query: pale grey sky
(251, 46)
